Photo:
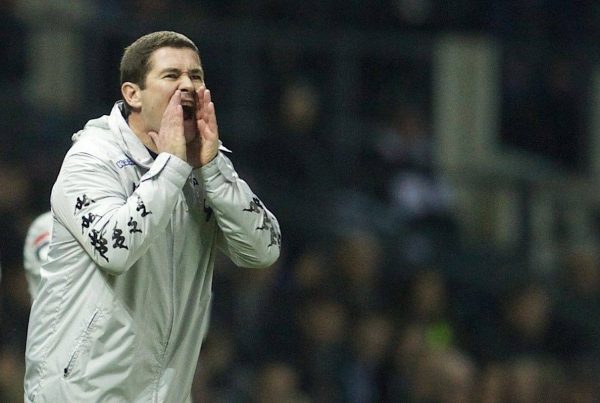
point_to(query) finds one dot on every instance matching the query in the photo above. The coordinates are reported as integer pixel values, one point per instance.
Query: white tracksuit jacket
(123, 303)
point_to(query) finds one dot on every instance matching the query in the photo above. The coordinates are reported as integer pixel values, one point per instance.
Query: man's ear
(131, 95)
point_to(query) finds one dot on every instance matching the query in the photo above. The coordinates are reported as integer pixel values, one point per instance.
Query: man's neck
(139, 129)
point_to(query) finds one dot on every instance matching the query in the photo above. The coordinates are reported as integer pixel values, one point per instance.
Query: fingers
(173, 115)
(206, 121)
(210, 114)
(175, 100)
(200, 101)
(174, 106)
(205, 111)
(170, 138)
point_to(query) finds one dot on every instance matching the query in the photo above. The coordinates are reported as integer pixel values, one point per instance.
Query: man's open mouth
(188, 112)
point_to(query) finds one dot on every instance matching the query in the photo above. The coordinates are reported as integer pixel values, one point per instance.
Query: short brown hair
(135, 62)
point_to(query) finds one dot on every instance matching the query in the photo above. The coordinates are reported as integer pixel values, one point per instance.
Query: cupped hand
(170, 137)
(205, 146)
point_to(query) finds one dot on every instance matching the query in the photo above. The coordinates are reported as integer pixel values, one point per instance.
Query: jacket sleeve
(116, 227)
(249, 233)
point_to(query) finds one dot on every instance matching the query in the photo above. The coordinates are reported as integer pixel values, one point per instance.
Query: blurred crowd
(376, 297)
(334, 327)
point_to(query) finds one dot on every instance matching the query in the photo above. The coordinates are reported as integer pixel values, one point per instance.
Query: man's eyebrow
(178, 71)
(170, 70)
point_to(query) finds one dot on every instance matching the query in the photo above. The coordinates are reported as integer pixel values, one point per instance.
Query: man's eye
(172, 75)
(196, 77)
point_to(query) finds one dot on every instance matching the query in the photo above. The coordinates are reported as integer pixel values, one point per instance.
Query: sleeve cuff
(174, 168)
(217, 172)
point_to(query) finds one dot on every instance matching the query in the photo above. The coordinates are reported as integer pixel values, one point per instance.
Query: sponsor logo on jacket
(124, 162)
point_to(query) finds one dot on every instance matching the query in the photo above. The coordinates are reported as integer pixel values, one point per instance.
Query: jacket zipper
(82, 337)
(171, 320)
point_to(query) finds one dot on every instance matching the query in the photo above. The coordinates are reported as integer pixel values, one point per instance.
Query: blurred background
(434, 166)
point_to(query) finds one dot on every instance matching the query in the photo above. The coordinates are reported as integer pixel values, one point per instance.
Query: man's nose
(186, 83)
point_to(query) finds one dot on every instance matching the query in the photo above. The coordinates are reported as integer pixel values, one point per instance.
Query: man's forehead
(178, 58)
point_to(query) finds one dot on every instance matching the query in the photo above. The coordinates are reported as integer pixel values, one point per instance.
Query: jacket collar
(128, 141)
